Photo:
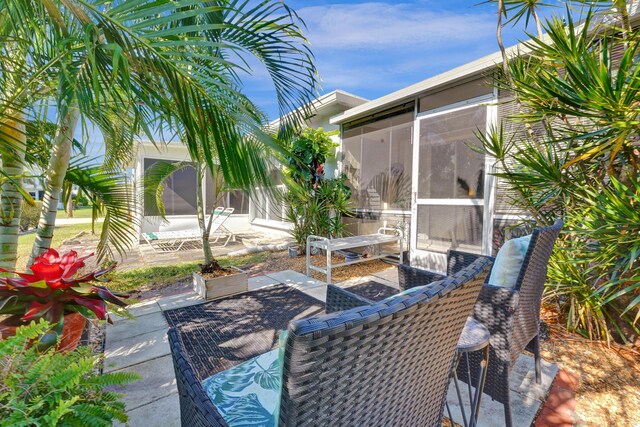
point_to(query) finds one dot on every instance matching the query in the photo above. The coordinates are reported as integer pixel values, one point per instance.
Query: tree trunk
(11, 200)
(69, 204)
(206, 247)
(56, 171)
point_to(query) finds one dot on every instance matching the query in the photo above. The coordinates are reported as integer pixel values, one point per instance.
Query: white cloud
(374, 48)
(383, 25)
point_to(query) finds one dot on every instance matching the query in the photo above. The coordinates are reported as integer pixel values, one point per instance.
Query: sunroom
(410, 163)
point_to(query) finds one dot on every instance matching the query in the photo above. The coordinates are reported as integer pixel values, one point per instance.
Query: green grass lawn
(84, 212)
(159, 276)
(25, 242)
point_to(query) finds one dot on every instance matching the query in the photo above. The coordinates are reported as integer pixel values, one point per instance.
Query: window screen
(441, 227)
(179, 196)
(377, 160)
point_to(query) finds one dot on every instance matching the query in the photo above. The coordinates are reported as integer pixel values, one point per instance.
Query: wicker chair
(512, 317)
(349, 368)
(408, 277)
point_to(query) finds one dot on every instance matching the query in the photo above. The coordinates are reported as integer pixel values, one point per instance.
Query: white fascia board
(467, 70)
(335, 97)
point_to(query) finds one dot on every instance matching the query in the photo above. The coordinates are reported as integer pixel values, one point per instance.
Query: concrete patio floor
(141, 346)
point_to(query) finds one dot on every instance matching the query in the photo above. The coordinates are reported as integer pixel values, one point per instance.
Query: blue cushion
(249, 393)
(508, 263)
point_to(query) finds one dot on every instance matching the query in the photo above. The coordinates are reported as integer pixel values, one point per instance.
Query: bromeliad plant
(54, 288)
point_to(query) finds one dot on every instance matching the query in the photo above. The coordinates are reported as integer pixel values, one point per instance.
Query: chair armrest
(409, 277)
(339, 299)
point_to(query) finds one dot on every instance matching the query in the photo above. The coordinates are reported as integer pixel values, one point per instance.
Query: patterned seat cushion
(249, 393)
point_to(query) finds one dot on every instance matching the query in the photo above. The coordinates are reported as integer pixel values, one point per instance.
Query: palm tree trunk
(56, 171)
(11, 199)
(69, 207)
(206, 247)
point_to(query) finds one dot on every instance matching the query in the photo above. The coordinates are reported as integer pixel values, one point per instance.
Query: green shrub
(30, 216)
(571, 151)
(55, 389)
(315, 205)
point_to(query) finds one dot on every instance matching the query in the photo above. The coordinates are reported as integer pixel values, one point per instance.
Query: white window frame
(487, 203)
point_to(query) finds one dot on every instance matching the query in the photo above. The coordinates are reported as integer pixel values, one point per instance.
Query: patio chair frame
(512, 316)
(347, 368)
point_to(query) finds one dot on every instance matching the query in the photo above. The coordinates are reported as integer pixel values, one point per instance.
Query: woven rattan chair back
(385, 364)
(512, 317)
(530, 285)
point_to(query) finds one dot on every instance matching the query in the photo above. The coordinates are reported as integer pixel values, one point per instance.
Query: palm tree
(167, 65)
(19, 81)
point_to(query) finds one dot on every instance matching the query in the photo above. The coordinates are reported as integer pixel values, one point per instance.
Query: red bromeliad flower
(53, 289)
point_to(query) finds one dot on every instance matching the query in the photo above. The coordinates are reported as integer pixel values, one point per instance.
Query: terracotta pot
(71, 332)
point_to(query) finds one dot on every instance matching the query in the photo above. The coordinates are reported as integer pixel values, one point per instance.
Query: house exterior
(407, 159)
(408, 162)
(257, 212)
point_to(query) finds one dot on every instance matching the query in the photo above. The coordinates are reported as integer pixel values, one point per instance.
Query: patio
(141, 346)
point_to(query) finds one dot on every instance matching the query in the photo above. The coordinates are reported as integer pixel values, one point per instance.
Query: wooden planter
(218, 287)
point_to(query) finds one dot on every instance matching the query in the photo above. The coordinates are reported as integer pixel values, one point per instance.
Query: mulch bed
(608, 391)
(220, 334)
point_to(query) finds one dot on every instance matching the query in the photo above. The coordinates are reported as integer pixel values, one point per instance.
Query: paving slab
(523, 377)
(139, 309)
(158, 381)
(390, 274)
(523, 411)
(525, 402)
(295, 279)
(261, 281)
(318, 292)
(164, 412)
(141, 325)
(131, 351)
(181, 300)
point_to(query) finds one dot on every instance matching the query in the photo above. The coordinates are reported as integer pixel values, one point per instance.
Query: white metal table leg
(328, 264)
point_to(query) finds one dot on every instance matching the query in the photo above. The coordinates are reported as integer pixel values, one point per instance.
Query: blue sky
(373, 48)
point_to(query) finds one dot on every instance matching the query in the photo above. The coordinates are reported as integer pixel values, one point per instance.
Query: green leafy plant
(55, 389)
(571, 150)
(315, 205)
(308, 153)
(30, 216)
(318, 211)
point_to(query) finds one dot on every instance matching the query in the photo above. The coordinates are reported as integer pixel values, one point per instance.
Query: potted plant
(55, 292)
(214, 281)
(56, 389)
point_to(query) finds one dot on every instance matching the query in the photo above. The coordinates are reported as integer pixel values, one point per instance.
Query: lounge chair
(382, 364)
(173, 241)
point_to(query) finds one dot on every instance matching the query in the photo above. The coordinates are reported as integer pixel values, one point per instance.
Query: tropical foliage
(315, 205)
(153, 68)
(571, 150)
(55, 389)
(53, 289)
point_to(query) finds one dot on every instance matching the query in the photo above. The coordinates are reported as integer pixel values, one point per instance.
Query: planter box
(222, 286)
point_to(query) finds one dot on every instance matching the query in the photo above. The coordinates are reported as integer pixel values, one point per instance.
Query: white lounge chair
(173, 241)
(218, 229)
